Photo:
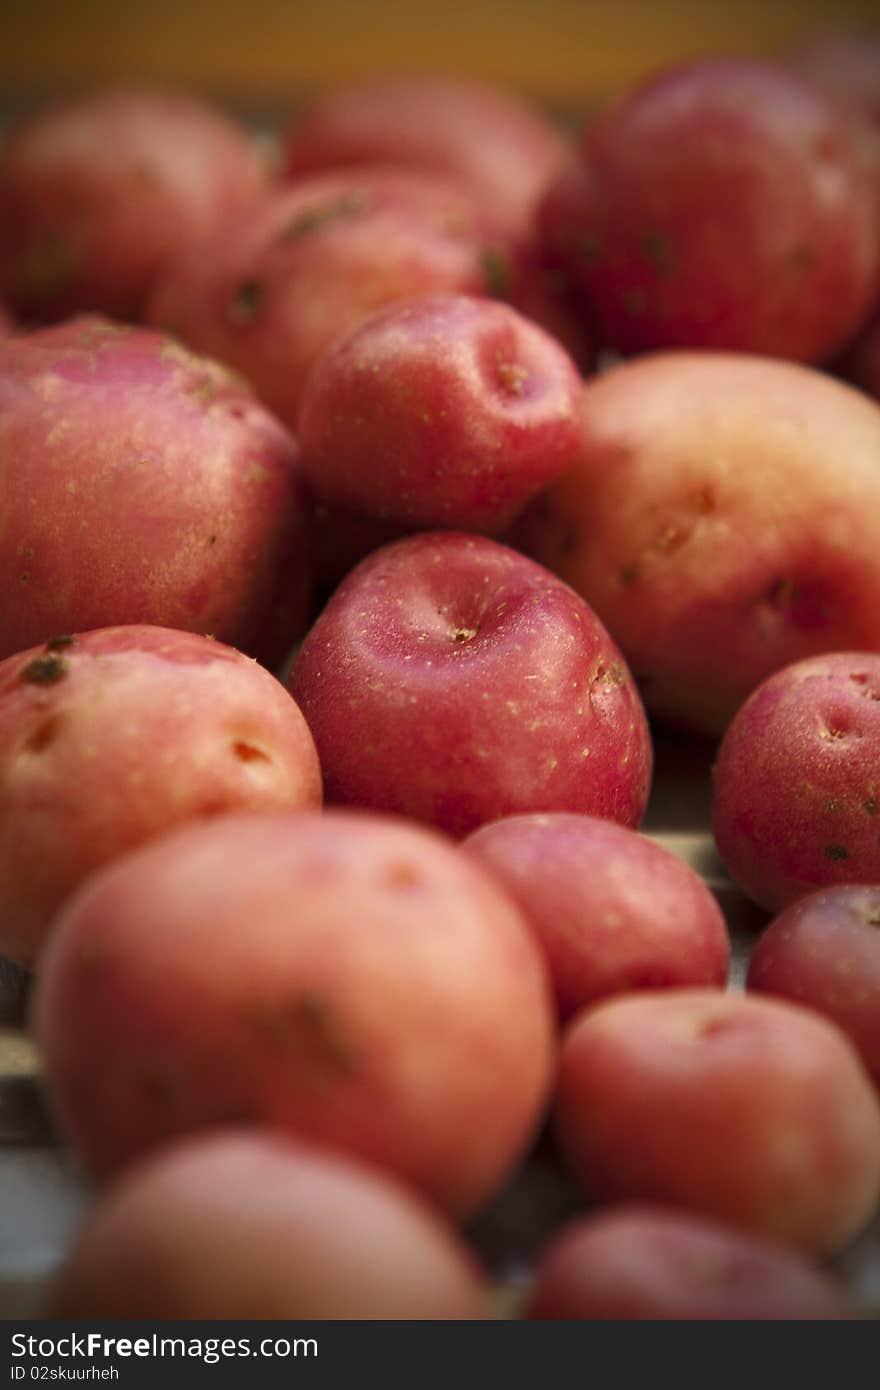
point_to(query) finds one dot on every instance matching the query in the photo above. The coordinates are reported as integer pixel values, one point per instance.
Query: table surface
(43, 1198)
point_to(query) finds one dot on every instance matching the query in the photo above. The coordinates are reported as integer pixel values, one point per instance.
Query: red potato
(112, 737)
(143, 485)
(612, 911)
(824, 951)
(724, 205)
(452, 680)
(796, 783)
(340, 539)
(444, 411)
(503, 148)
(346, 978)
(255, 1226)
(271, 291)
(750, 1110)
(648, 1264)
(97, 193)
(723, 521)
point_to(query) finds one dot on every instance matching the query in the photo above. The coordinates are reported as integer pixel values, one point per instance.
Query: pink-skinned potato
(112, 737)
(349, 979)
(636, 1264)
(751, 1110)
(505, 150)
(243, 1225)
(725, 204)
(823, 951)
(443, 411)
(796, 787)
(143, 484)
(612, 910)
(96, 193)
(723, 521)
(453, 680)
(309, 262)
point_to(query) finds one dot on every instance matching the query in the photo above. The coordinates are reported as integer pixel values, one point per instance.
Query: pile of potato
(418, 464)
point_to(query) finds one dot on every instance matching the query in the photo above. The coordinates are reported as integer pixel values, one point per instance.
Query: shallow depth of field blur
(264, 61)
(268, 53)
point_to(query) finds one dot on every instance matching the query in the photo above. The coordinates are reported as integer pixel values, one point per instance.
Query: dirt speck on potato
(43, 735)
(403, 875)
(345, 205)
(782, 594)
(656, 247)
(45, 670)
(307, 1027)
(249, 753)
(495, 267)
(247, 302)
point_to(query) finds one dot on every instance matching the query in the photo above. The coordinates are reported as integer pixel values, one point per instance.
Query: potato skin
(258, 1226)
(823, 951)
(453, 680)
(98, 192)
(724, 521)
(310, 262)
(446, 410)
(750, 1110)
(611, 910)
(649, 1264)
(726, 206)
(796, 784)
(113, 737)
(143, 485)
(346, 978)
(506, 151)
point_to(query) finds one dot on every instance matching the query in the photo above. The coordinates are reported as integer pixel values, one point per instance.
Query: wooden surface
(567, 51)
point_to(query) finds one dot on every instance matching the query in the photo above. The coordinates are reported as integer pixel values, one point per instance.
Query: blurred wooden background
(270, 51)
